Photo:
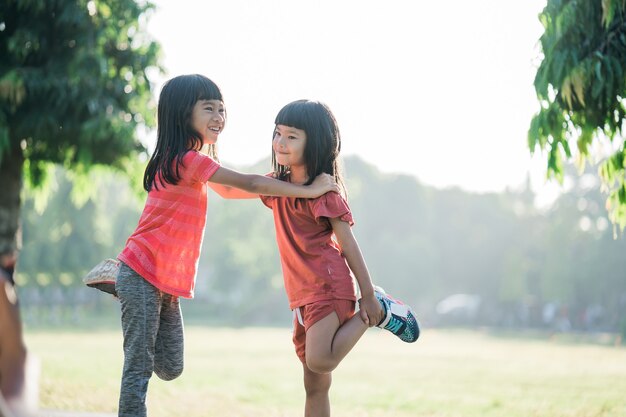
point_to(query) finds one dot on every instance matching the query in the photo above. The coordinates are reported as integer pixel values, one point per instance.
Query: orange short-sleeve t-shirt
(165, 247)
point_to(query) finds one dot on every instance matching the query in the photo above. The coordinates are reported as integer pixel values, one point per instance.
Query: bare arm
(226, 191)
(371, 310)
(232, 184)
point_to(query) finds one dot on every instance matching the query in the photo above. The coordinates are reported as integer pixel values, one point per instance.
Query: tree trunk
(10, 187)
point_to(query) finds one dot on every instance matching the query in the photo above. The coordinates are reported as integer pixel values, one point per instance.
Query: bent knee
(321, 365)
(168, 374)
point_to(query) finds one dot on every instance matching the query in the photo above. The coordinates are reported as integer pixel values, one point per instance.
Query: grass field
(254, 372)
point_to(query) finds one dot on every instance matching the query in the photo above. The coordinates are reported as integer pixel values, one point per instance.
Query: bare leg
(327, 343)
(317, 387)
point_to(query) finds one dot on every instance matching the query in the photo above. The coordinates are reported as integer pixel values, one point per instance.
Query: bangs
(294, 114)
(207, 90)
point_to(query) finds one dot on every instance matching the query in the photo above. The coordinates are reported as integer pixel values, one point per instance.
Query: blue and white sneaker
(399, 318)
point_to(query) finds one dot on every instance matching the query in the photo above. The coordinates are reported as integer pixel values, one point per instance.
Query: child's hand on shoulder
(371, 311)
(324, 183)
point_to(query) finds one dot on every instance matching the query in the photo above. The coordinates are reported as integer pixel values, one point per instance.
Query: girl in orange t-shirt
(158, 264)
(319, 254)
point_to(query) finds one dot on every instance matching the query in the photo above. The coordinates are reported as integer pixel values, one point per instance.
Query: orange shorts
(310, 314)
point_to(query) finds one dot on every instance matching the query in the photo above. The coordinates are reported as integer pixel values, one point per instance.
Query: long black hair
(175, 136)
(323, 140)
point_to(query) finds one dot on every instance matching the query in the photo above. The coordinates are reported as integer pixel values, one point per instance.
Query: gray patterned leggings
(152, 325)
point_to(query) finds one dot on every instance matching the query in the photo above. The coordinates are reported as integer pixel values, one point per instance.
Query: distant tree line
(529, 268)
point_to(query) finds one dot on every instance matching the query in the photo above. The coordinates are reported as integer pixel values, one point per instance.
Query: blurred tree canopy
(581, 86)
(73, 91)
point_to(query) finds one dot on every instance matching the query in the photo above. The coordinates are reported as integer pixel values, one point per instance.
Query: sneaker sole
(103, 276)
(412, 330)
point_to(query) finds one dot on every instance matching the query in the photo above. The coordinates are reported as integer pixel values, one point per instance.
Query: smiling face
(208, 118)
(288, 145)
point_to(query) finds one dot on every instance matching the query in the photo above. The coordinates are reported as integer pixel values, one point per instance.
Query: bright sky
(440, 90)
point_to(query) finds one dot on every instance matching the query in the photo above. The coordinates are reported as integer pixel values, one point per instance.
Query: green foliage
(73, 82)
(581, 87)
(62, 242)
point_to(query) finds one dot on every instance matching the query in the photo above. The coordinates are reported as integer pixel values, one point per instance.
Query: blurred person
(13, 353)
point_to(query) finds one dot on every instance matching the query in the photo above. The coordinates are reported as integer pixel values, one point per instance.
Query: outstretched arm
(371, 310)
(232, 184)
(226, 191)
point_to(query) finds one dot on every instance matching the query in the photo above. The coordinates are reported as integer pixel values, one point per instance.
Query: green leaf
(583, 61)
